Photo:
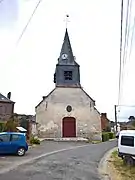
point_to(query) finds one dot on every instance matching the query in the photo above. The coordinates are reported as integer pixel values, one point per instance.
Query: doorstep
(78, 139)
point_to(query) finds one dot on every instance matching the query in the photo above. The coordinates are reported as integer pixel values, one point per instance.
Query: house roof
(5, 99)
(97, 110)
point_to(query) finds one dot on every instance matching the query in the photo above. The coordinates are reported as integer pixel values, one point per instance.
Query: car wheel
(21, 151)
(129, 161)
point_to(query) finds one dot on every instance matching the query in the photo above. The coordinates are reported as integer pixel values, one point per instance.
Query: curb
(7, 169)
(103, 168)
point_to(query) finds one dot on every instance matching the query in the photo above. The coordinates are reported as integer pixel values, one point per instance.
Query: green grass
(126, 172)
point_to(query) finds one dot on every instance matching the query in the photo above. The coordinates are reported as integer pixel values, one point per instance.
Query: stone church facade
(68, 111)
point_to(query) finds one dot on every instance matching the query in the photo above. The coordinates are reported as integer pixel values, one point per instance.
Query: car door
(5, 144)
(15, 142)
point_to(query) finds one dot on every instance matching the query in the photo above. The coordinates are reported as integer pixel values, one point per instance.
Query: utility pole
(115, 109)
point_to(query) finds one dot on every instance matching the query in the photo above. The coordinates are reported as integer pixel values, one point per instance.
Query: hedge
(34, 140)
(105, 136)
(111, 135)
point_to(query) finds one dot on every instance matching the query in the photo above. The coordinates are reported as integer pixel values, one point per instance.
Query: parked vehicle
(126, 146)
(13, 143)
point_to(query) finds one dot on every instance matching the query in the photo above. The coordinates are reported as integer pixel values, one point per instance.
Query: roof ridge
(4, 98)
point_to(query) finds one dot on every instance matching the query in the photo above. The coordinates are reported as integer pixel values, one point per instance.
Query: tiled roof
(4, 99)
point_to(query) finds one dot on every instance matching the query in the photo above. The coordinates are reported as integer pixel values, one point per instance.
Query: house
(104, 121)
(68, 111)
(6, 107)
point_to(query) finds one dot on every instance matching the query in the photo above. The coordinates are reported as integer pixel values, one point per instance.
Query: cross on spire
(67, 20)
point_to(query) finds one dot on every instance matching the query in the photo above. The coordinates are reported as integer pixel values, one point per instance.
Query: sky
(27, 68)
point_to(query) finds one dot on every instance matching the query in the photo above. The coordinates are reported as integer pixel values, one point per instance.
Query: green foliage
(111, 135)
(115, 153)
(105, 136)
(133, 123)
(24, 123)
(34, 140)
(2, 126)
(11, 125)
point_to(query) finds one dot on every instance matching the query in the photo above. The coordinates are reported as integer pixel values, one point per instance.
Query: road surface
(75, 164)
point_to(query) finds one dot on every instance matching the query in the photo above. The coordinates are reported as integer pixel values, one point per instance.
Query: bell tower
(67, 73)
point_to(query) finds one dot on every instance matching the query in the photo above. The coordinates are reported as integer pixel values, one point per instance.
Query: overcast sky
(94, 29)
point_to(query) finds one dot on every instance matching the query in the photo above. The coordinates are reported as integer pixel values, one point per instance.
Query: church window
(69, 108)
(68, 75)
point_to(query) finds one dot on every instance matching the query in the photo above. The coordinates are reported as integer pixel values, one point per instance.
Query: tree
(133, 123)
(11, 125)
(131, 118)
(2, 126)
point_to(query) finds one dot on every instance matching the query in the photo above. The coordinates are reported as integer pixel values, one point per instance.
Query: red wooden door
(69, 127)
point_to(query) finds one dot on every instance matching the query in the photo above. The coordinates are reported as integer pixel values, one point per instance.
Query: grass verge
(118, 167)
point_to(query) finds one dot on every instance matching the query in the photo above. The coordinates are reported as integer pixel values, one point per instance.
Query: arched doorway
(69, 127)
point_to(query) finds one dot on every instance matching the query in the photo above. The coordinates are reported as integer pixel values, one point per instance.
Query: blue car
(13, 143)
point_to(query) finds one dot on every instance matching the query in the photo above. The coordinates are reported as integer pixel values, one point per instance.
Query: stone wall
(6, 110)
(52, 110)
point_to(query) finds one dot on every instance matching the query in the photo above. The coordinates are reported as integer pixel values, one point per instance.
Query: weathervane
(67, 20)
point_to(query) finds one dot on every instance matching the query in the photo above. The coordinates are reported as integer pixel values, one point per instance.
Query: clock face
(64, 56)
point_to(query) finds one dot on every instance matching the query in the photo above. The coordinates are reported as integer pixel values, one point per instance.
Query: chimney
(9, 95)
(44, 97)
(104, 115)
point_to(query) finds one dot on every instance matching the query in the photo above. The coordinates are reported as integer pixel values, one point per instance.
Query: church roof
(4, 99)
(66, 54)
(88, 95)
(44, 97)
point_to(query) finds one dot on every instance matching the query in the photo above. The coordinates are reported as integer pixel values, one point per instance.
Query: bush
(34, 140)
(11, 125)
(2, 126)
(111, 135)
(105, 136)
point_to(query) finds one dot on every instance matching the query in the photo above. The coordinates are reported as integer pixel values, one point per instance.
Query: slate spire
(66, 54)
(67, 72)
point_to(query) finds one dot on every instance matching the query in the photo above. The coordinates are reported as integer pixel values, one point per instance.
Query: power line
(126, 42)
(132, 36)
(126, 106)
(120, 68)
(127, 39)
(33, 13)
(123, 117)
(126, 31)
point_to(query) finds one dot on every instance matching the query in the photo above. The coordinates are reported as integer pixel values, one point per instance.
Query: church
(68, 111)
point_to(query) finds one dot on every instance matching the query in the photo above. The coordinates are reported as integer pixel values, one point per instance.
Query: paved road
(76, 164)
(45, 147)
